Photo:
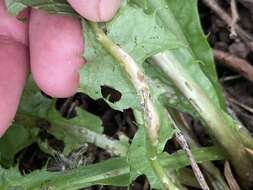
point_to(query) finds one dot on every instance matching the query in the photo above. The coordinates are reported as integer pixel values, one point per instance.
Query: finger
(56, 47)
(96, 10)
(13, 72)
(13, 65)
(12, 27)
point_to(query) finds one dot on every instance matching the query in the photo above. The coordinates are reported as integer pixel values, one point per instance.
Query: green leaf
(160, 31)
(14, 7)
(83, 119)
(111, 172)
(159, 26)
(115, 171)
(33, 103)
(62, 127)
(164, 29)
(186, 14)
(102, 69)
(33, 107)
(140, 165)
(181, 18)
(138, 160)
(76, 136)
(167, 93)
(179, 159)
(16, 138)
(143, 35)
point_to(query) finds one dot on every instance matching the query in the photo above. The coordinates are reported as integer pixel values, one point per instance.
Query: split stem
(151, 118)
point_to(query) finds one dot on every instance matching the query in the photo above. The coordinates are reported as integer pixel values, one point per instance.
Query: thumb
(96, 10)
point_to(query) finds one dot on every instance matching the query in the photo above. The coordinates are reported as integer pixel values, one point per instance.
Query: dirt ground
(238, 89)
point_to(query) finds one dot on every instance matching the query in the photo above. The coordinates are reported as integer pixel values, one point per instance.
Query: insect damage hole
(110, 94)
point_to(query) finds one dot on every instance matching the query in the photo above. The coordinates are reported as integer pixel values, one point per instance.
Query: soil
(238, 90)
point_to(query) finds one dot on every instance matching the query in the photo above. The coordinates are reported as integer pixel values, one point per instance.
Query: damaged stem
(151, 117)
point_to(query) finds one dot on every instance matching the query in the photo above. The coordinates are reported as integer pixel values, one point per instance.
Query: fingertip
(57, 86)
(96, 10)
(56, 48)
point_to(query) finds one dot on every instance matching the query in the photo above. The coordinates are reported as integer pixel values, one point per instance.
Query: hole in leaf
(141, 182)
(67, 106)
(114, 122)
(31, 158)
(110, 94)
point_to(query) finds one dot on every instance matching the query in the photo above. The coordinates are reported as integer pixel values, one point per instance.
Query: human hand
(51, 46)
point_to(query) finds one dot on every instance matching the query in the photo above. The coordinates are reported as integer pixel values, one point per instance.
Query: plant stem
(84, 135)
(137, 78)
(168, 183)
(79, 133)
(151, 118)
(215, 120)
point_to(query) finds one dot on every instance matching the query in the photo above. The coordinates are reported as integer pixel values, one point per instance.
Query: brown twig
(250, 151)
(245, 36)
(184, 145)
(196, 170)
(248, 1)
(230, 78)
(235, 63)
(235, 18)
(241, 105)
(230, 177)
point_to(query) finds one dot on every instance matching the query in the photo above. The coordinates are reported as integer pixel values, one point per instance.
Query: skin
(56, 47)
(52, 53)
(96, 10)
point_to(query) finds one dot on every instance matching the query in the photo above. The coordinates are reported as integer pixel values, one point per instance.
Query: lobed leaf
(34, 107)
(115, 171)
